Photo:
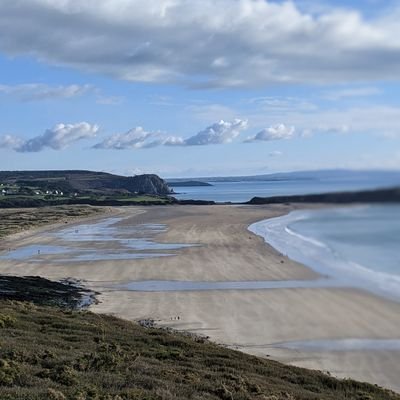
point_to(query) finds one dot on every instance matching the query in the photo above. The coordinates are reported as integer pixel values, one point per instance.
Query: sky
(186, 88)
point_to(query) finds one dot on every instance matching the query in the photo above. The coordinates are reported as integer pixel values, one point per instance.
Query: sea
(357, 246)
(243, 189)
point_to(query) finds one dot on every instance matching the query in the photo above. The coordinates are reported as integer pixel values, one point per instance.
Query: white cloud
(57, 138)
(10, 142)
(170, 141)
(133, 139)
(274, 132)
(204, 43)
(39, 91)
(221, 132)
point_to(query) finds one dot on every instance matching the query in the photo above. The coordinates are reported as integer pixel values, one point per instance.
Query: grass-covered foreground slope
(50, 353)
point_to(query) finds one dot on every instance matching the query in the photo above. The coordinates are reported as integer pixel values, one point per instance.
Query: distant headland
(39, 188)
(188, 183)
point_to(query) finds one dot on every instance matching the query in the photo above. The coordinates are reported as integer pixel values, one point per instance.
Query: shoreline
(249, 320)
(320, 257)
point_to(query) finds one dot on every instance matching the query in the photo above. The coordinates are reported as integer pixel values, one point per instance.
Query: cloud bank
(63, 135)
(208, 43)
(221, 132)
(57, 138)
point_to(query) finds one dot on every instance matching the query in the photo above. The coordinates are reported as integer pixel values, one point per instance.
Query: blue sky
(195, 88)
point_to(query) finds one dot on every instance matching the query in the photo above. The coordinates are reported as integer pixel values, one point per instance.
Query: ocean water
(244, 190)
(357, 246)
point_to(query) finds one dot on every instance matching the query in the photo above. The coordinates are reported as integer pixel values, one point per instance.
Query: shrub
(55, 395)
(8, 372)
(7, 321)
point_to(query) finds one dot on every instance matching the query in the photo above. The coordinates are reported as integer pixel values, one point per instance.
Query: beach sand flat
(255, 321)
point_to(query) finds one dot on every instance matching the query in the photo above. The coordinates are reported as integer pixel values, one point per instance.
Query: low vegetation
(59, 354)
(16, 220)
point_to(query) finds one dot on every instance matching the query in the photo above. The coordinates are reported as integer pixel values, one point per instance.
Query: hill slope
(86, 182)
(50, 353)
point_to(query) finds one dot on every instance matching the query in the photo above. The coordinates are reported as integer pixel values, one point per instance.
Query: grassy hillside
(81, 182)
(51, 353)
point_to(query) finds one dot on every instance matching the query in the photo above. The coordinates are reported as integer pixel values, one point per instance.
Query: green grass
(49, 353)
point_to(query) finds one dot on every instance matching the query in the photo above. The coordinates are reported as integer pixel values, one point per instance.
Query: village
(21, 190)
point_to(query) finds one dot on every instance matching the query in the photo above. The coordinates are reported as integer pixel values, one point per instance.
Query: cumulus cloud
(38, 91)
(274, 132)
(221, 132)
(204, 43)
(57, 138)
(10, 142)
(133, 139)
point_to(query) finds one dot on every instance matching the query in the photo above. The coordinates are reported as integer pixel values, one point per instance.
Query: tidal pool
(179, 286)
(30, 251)
(102, 240)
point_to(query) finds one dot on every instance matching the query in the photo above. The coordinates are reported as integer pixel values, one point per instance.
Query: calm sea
(359, 246)
(241, 191)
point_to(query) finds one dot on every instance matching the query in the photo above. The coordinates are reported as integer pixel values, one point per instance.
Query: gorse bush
(6, 321)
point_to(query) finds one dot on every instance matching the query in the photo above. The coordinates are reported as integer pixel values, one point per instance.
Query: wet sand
(258, 321)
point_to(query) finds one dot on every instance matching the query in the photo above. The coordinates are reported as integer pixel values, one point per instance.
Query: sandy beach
(276, 323)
